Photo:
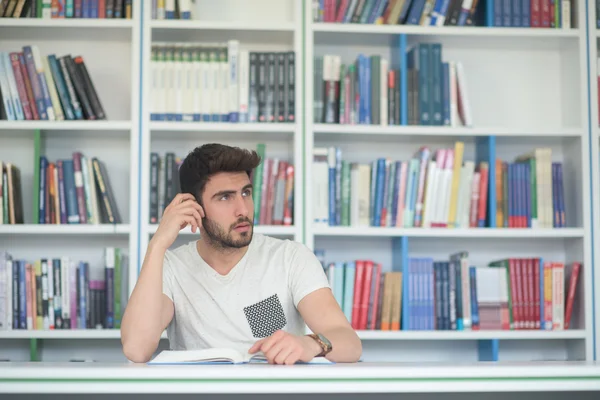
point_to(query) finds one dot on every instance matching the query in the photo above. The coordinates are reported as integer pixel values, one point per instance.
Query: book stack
(11, 194)
(198, 82)
(51, 88)
(370, 91)
(75, 191)
(61, 293)
(66, 9)
(437, 189)
(427, 294)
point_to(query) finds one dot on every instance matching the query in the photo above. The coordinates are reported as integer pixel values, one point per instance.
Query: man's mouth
(244, 226)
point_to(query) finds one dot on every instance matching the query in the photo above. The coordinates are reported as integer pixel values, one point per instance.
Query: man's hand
(284, 348)
(182, 211)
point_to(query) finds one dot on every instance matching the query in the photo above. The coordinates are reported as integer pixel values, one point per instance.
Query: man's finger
(256, 346)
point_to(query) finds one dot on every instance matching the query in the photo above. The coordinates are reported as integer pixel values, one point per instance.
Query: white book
(354, 194)
(223, 85)
(205, 84)
(215, 84)
(215, 356)
(364, 197)
(430, 195)
(180, 89)
(233, 77)
(464, 108)
(383, 105)
(244, 82)
(188, 83)
(320, 193)
(170, 87)
(196, 84)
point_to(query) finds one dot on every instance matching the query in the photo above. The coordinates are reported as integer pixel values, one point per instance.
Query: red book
(357, 299)
(366, 294)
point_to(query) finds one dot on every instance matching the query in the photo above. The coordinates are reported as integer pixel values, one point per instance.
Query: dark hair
(209, 159)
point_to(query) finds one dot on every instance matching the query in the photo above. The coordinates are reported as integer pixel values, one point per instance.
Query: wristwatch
(325, 344)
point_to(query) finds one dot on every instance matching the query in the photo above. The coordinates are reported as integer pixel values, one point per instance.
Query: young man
(231, 287)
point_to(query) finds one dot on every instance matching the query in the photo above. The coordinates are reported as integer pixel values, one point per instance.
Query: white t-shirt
(258, 297)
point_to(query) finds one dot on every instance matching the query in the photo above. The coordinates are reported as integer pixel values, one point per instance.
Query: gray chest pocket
(265, 317)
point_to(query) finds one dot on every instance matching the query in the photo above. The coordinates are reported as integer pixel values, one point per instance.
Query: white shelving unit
(527, 88)
(110, 48)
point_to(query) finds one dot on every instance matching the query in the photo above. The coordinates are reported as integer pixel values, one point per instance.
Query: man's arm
(323, 315)
(148, 310)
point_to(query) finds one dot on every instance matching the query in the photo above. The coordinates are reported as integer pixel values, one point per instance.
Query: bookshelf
(110, 49)
(525, 90)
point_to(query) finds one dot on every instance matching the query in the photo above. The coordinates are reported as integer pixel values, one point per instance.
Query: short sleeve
(306, 273)
(167, 277)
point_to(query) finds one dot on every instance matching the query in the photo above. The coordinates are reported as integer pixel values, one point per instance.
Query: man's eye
(225, 197)
(247, 192)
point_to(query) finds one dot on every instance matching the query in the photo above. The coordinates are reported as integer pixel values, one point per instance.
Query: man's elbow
(136, 353)
(356, 352)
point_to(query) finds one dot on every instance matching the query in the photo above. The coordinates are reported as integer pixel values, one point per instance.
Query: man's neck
(222, 261)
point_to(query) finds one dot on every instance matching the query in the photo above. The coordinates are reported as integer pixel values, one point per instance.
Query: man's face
(229, 210)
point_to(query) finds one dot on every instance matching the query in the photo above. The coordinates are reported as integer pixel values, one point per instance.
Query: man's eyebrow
(224, 192)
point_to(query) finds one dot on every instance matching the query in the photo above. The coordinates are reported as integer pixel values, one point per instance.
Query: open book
(215, 356)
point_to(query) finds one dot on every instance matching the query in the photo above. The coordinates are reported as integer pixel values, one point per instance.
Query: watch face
(325, 340)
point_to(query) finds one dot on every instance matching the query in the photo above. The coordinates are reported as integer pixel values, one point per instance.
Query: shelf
(272, 230)
(86, 23)
(61, 334)
(472, 335)
(444, 31)
(101, 125)
(225, 130)
(474, 233)
(364, 335)
(63, 229)
(64, 334)
(224, 25)
(407, 130)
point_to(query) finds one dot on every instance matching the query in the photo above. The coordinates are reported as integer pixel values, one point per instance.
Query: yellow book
(459, 148)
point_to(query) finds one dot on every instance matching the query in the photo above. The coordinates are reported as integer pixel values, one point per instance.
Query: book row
(52, 88)
(61, 293)
(439, 189)
(518, 13)
(428, 294)
(172, 9)
(272, 181)
(75, 191)
(370, 91)
(399, 12)
(66, 9)
(195, 82)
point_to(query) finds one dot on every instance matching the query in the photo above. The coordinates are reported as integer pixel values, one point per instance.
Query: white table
(338, 378)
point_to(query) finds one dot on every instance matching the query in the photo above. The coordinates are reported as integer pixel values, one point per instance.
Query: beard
(220, 239)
